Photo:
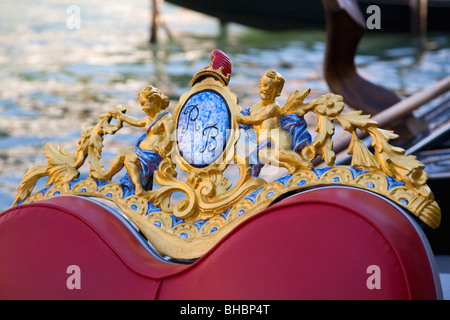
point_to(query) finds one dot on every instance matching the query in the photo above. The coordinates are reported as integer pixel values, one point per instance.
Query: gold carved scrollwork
(212, 205)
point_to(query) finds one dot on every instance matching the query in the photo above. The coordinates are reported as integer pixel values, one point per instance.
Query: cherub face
(150, 104)
(267, 89)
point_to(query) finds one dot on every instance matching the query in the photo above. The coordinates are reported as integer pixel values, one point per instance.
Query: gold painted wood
(212, 205)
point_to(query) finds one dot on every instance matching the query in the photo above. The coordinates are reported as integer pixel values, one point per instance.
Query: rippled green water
(54, 81)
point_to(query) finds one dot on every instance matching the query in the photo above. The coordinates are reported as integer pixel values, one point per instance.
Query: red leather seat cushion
(314, 245)
(39, 241)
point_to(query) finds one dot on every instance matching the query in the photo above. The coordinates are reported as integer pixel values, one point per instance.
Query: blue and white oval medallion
(203, 128)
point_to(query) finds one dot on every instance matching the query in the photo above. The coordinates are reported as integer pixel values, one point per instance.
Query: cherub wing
(293, 122)
(295, 104)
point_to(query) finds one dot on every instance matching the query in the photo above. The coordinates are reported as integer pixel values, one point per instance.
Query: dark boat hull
(263, 14)
(291, 15)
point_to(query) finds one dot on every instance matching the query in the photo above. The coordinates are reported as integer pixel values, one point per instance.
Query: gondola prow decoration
(200, 139)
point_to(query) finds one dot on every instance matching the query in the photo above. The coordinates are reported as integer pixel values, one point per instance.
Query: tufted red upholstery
(314, 245)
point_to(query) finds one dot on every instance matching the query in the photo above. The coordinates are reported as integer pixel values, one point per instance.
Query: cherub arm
(119, 113)
(136, 122)
(260, 117)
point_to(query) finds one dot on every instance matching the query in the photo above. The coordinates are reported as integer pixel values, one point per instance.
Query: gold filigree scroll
(208, 204)
(63, 166)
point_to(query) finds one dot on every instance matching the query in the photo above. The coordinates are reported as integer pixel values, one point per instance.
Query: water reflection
(54, 80)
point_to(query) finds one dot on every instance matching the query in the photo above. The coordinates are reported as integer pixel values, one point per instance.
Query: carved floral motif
(213, 205)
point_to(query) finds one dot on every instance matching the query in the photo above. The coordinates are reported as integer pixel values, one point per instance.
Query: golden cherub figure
(155, 144)
(274, 143)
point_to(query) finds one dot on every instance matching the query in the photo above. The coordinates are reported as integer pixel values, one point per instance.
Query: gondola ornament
(200, 139)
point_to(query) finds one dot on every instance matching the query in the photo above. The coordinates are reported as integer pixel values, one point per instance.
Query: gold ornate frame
(212, 207)
(231, 99)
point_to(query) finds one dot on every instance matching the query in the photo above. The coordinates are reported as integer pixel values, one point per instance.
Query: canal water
(64, 62)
